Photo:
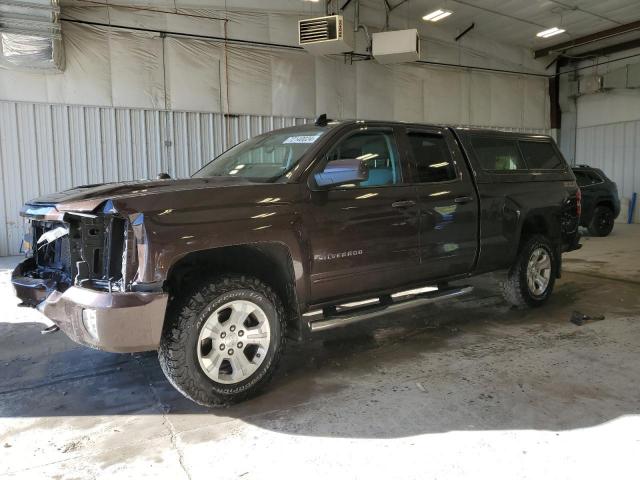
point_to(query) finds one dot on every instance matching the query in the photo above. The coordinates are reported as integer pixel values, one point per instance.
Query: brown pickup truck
(293, 232)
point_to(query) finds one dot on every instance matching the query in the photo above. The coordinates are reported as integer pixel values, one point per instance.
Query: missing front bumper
(111, 321)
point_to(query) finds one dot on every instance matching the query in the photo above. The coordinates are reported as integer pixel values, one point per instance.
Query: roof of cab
(460, 129)
(457, 128)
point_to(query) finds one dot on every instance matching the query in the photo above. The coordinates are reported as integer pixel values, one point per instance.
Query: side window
(497, 153)
(431, 154)
(378, 152)
(594, 178)
(582, 179)
(585, 179)
(540, 155)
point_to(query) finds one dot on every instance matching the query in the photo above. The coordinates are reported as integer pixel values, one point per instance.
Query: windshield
(264, 158)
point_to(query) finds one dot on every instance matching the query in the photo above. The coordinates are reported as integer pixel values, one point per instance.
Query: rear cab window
(498, 155)
(540, 155)
(518, 158)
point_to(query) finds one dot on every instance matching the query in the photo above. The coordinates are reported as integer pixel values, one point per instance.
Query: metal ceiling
(516, 22)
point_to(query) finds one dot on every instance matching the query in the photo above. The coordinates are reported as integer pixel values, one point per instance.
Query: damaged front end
(79, 272)
(95, 251)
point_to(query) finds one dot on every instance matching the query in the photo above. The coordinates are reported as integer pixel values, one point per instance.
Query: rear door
(364, 237)
(447, 202)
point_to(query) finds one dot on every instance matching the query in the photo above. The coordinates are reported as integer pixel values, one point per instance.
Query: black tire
(601, 223)
(515, 288)
(178, 352)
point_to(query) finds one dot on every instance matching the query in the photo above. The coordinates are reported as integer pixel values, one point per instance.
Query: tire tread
(593, 227)
(172, 353)
(514, 288)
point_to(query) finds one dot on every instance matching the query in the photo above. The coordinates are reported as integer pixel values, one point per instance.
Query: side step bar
(335, 317)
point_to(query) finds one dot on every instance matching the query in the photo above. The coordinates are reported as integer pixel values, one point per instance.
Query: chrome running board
(341, 315)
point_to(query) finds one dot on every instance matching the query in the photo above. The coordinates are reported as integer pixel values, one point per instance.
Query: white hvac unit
(397, 46)
(588, 85)
(325, 35)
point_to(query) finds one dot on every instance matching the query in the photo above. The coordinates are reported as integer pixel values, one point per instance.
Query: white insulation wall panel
(118, 68)
(46, 148)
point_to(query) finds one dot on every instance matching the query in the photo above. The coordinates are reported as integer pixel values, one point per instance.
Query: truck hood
(87, 198)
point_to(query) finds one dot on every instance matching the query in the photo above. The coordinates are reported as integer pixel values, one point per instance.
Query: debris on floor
(71, 446)
(580, 319)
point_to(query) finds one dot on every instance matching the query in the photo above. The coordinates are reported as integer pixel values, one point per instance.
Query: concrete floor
(465, 389)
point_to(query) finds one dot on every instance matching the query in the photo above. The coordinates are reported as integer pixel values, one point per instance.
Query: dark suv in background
(600, 202)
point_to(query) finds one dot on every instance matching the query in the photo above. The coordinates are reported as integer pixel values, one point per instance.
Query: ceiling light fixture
(550, 32)
(436, 15)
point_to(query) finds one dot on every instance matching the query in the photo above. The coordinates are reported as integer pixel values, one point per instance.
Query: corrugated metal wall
(47, 148)
(614, 148)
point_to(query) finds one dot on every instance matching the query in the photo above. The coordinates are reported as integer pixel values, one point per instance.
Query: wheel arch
(270, 262)
(605, 202)
(539, 223)
(532, 224)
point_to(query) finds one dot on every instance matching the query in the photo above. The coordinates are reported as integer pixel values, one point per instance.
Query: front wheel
(602, 222)
(224, 341)
(531, 279)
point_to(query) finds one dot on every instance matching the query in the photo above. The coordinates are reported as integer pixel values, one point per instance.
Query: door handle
(465, 199)
(403, 204)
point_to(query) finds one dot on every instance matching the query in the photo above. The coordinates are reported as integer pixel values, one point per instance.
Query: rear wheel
(602, 222)
(224, 342)
(531, 279)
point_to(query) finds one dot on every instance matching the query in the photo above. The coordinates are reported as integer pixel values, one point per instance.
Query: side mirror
(340, 172)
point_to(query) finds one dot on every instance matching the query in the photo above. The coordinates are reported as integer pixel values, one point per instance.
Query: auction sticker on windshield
(302, 139)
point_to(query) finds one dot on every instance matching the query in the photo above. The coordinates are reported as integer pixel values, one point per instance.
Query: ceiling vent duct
(397, 46)
(30, 35)
(325, 35)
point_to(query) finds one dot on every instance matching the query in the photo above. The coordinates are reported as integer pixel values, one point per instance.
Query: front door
(364, 236)
(447, 201)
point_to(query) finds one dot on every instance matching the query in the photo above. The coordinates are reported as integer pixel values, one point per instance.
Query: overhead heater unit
(325, 35)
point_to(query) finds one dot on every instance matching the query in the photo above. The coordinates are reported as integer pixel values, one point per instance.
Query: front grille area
(53, 259)
(90, 255)
(55, 255)
(129, 256)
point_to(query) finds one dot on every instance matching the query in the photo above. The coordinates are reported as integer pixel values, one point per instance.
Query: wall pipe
(357, 26)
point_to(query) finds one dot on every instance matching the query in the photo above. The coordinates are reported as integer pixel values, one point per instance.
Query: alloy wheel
(538, 271)
(233, 342)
